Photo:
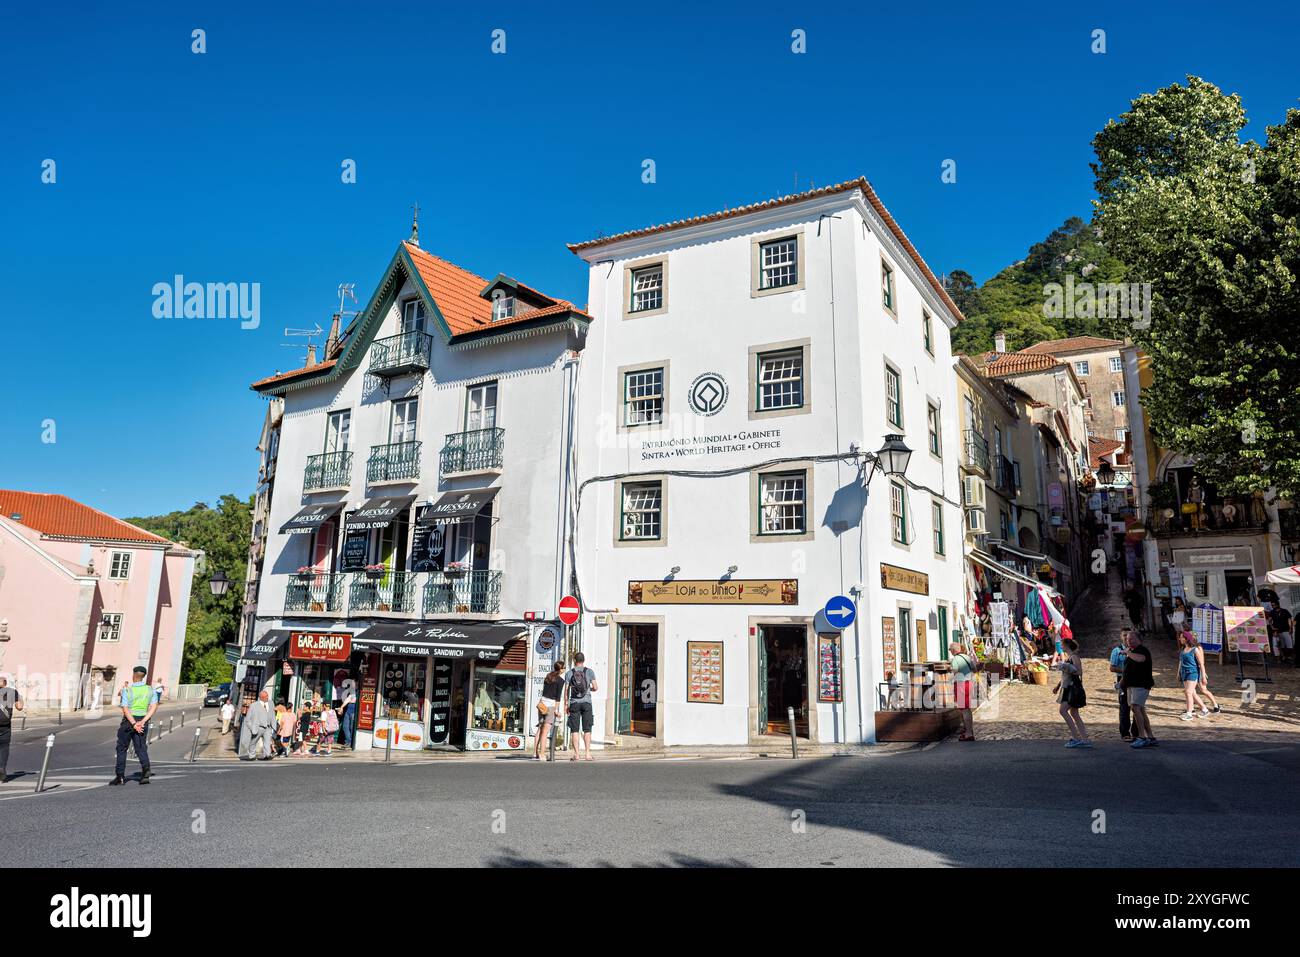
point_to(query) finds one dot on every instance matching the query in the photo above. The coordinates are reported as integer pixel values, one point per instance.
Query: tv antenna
(308, 334)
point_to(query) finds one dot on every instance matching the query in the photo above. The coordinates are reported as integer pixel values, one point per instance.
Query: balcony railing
(478, 451)
(1004, 472)
(328, 470)
(451, 592)
(391, 591)
(400, 354)
(317, 592)
(1209, 520)
(977, 450)
(396, 462)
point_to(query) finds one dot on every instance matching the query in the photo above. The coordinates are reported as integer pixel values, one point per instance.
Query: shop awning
(460, 506)
(265, 648)
(310, 518)
(993, 565)
(482, 641)
(378, 512)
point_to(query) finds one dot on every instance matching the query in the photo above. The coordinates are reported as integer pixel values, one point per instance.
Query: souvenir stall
(1002, 600)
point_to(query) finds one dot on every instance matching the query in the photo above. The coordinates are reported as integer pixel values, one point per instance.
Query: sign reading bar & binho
(320, 647)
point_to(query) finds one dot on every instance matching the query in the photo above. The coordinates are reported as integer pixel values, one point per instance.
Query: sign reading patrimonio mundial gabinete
(748, 591)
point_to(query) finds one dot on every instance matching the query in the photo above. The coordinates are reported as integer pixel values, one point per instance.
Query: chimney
(311, 353)
(333, 339)
(1000, 342)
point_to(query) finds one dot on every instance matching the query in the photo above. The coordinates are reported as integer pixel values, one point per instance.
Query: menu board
(889, 642)
(829, 670)
(426, 545)
(356, 545)
(1246, 628)
(369, 689)
(440, 703)
(704, 672)
(1207, 625)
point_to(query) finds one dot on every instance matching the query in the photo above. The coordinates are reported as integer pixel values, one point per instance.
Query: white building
(741, 364)
(419, 514)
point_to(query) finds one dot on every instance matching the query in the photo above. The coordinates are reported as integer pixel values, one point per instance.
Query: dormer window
(413, 316)
(503, 306)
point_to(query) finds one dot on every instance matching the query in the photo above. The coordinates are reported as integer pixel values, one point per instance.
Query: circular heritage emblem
(708, 394)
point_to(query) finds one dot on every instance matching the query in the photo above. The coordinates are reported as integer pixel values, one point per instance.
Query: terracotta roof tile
(1072, 344)
(859, 184)
(293, 374)
(60, 516)
(1017, 363)
(1098, 447)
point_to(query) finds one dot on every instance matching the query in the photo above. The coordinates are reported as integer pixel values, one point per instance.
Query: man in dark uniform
(9, 702)
(139, 702)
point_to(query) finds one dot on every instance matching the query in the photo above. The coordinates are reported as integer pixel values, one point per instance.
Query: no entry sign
(569, 609)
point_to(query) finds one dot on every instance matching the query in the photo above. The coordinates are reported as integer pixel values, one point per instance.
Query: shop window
(121, 565)
(499, 701)
(403, 689)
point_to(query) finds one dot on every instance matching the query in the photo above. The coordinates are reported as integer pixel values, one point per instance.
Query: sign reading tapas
(904, 579)
(748, 591)
(330, 647)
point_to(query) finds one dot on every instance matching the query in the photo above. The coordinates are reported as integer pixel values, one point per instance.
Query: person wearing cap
(139, 702)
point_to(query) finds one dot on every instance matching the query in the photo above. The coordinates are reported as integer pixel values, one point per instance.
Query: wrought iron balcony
(451, 592)
(329, 470)
(396, 462)
(387, 591)
(482, 450)
(402, 354)
(977, 450)
(315, 592)
(1004, 472)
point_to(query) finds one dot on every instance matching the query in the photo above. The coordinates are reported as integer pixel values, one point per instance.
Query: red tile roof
(61, 517)
(1017, 363)
(1072, 344)
(293, 374)
(1099, 447)
(854, 184)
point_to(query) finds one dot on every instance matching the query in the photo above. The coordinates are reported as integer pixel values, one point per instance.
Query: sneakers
(1072, 743)
(1204, 713)
(1186, 716)
(145, 775)
(117, 780)
(1084, 744)
(1152, 743)
(1216, 709)
(1139, 743)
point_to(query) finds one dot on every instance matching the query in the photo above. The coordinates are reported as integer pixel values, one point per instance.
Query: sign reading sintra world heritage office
(749, 591)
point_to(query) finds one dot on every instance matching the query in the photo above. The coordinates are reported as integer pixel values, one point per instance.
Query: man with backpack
(9, 703)
(579, 683)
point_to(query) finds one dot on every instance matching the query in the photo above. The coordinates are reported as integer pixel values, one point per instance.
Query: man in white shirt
(348, 692)
(227, 715)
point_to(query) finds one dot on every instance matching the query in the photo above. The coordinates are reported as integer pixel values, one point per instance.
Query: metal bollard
(794, 737)
(24, 727)
(194, 749)
(171, 722)
(182, 719)
(388, 743)
(60, 714)
(45, 764)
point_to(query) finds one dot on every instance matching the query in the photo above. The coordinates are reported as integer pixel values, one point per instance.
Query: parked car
(217, 696)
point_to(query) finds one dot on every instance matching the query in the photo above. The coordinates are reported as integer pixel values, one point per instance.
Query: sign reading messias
(748, 591)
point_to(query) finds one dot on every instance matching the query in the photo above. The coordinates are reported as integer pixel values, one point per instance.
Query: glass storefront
(499, 700)
(401, 689)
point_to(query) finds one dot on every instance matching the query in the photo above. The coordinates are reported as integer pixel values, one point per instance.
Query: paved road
(998, 803)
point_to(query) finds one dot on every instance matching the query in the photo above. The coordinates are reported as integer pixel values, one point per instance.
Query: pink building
(84, 598)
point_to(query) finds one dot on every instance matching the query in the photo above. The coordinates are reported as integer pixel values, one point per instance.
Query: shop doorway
(782, 679)
(1238, 586)
(637, 709)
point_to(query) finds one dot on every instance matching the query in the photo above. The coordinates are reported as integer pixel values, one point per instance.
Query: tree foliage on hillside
(223, 534)
(1212, 223)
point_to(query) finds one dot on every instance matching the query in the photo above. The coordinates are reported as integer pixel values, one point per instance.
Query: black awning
(460, 506)
(482, 641)
(265, 648)
(378, 512)
(310, 518)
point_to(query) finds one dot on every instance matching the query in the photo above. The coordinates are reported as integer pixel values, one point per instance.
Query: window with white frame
(1118, 399)
(887, 285)
(1121, 434)
(503, 306)
(647, 288)
(780, 379)
(782, 503)
(778, 263)
(338, 429)
(110, 626)
(643, 397)
(120, 565)
(927, 332)
(642, 511)
(1116, 364)
(932, 426)
(893, 397)
(936, 519)
(898, 512)
(413, 316)
(1081, 367)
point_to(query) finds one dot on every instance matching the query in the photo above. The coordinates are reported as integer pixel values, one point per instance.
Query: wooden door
(623, 705)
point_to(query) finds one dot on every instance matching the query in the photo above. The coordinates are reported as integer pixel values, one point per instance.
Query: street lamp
(1105, 474)
(893, 455)
(219, 583)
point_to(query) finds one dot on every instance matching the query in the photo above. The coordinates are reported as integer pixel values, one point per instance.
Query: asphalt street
(1000, 803)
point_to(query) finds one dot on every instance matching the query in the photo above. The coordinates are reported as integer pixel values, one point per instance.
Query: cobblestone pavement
(1027, 711)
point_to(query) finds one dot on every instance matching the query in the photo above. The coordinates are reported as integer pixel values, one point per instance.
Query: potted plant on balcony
(455, 568)
(304, 573)
(375, 571)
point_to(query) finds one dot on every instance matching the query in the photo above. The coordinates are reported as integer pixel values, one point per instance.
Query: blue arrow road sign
(840, 612)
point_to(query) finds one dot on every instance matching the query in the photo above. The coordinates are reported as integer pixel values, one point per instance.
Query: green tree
(223, 534)
(1210, 222)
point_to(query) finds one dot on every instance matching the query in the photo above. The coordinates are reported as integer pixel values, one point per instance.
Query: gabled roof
(1098, 448)
(1072, 344)
(997, 364)
(848, 186)
(60, 517)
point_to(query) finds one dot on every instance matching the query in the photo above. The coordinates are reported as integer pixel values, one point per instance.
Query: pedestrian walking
(1138, 682)
(552, 691)
(139, 702)
(1282, 626)
(227, 715)
(579, 683)
(1204, 686)
(348, 724)
(260, 722)
(10, 701)
(964, 666)
(329, 727)
(303, 737)
(1118, 655)
(160, 689)
(1072, 695)
(1133, 602)
(1189, 676)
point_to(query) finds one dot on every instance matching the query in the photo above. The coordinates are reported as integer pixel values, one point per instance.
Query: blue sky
(226, 166)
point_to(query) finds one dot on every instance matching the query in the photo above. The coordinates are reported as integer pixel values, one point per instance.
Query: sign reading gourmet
(904, 579)
(328, 647)
(747, 591)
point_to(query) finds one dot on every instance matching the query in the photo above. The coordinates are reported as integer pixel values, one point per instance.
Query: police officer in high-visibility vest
(139, 702)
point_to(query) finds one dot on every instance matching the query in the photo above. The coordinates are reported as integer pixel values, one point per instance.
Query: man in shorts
(579, 683)
(1137, 682)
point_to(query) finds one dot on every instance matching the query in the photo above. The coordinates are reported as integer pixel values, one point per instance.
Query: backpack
(579, 686)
